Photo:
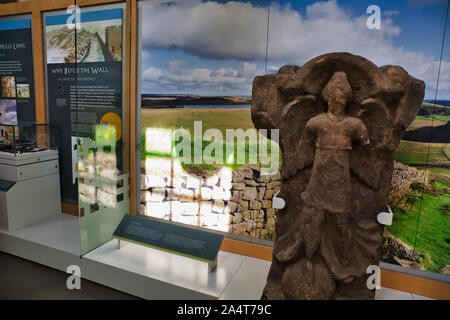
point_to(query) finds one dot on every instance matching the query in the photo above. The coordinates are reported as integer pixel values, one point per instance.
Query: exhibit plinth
(29, 185)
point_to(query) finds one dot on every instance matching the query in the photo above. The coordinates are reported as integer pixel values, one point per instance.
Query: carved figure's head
(337, 92)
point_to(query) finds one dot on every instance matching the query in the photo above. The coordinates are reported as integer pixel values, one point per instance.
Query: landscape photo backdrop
(202, 70)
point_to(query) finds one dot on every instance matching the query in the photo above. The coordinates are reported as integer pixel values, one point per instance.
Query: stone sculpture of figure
(340, 120)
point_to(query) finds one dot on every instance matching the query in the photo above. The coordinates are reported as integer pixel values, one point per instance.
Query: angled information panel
(194, 243)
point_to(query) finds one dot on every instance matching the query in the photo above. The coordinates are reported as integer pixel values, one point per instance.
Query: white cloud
(145, 55)
(237, 30)
(175, 76)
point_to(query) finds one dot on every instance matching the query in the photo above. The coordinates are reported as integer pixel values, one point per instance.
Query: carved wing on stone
(276, 105)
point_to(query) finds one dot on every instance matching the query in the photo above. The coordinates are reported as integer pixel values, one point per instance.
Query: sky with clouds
(218, 47)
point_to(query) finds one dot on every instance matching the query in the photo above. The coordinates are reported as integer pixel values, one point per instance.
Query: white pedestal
(30, 188)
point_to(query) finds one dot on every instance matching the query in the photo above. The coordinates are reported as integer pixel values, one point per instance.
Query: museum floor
(133, 271)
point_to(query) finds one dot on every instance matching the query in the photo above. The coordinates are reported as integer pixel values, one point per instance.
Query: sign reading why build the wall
(84, 77)
(194, 243)
(16, 71)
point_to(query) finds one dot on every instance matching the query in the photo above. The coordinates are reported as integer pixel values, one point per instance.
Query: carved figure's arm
(361, 133)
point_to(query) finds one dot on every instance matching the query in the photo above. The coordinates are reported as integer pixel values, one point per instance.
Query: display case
(27, 137)
(29, 169)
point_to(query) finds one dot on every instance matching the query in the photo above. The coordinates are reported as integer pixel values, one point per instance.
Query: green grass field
(212, 118)
(432, 229)
(220, 118)
(410, 152)
(422, 121)
(429, 231)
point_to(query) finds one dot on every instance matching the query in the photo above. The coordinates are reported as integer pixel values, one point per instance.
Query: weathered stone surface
(243, 206)
(208, 220)
(206, 193)
(224, 219)
(226, 195)
(396, 251)
(218, 206)
(238, 176)
(251, 183)
(446, 270)
(172, 194)
(231, 207)
(217, 193)
(266, 204)
(226, 178)
(271, 212)
(273, 184)
(341, 119)
(192, 220)
(145, 195)
(190, 208)
(176, 208)
(177, 182)
(238, 228)
(185, 194)
(236, 196)
(152, 181)
(237, 218)
(402, 178)
(255, 204)
(238, 186)
(158, 209)
(269, 194)
(158, 194)
(193, 181)
(250, 193)
(212, 180)
(205, 208)
(261, 192)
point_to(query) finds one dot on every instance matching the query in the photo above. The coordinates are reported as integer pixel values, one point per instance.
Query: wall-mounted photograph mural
(198, 61)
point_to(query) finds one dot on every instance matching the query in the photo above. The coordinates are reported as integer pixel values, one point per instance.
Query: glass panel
(103, 176)
(410, 35)
(85, 98)
(198, 61)
(60, 84)
(432, 241)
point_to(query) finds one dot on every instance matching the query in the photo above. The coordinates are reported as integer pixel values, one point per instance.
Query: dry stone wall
(402, 178)
(238, 201)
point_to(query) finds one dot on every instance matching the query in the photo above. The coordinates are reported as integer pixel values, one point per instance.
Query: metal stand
(212, 266)
(122, 244)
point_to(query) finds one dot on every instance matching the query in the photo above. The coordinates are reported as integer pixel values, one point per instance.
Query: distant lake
(225, 106)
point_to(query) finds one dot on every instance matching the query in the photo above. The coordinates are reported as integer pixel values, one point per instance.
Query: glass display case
(24, 138)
